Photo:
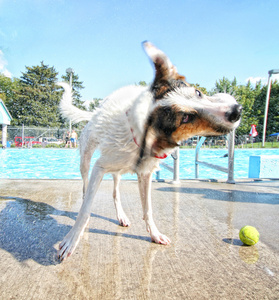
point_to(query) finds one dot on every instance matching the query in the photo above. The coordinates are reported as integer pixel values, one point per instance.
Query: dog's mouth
(221, 125)
(221, 130)
(218, 130)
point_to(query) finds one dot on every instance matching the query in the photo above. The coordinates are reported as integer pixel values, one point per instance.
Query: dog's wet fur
(136, 126)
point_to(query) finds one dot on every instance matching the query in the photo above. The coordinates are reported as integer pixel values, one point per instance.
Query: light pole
(71, 72)
(275, 71)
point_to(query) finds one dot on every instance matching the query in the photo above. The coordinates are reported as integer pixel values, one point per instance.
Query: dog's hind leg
(121, 216)
(144, 181)
(86, 152)
(69, 243)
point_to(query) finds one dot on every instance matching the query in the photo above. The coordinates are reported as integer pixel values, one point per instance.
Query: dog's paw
(160, 239)
(123, 220)
(68, 246)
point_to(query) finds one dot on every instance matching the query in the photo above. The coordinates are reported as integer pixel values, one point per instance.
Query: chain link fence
(243, 141)
(57, 137)
(38, 136)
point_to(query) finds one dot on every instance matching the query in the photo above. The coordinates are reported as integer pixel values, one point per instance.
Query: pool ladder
(229, 170)
(175, 169)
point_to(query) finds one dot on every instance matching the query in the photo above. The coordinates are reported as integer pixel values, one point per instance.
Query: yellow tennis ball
(249, 235)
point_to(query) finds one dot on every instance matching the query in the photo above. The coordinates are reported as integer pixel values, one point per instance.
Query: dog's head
(181, 111)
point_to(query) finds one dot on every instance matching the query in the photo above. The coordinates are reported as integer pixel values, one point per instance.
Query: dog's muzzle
(234, 114)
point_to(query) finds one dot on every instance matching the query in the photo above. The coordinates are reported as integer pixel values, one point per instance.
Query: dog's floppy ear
(165, 71)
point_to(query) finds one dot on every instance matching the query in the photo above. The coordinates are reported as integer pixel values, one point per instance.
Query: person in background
(74, 139)
(68, 141)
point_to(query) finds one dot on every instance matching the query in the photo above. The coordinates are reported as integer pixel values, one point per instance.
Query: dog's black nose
(234, 114)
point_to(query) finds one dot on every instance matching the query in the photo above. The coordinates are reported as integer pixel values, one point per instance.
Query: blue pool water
(64, 163)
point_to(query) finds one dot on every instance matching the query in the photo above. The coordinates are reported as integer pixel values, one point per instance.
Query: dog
(134, 128)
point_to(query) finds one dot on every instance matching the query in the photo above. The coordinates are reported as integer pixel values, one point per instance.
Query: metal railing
(174, 170)
(229, 170)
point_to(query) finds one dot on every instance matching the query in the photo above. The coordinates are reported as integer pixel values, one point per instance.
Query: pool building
(5, 120)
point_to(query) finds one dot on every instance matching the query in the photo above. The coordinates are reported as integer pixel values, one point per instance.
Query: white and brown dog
(136, 126)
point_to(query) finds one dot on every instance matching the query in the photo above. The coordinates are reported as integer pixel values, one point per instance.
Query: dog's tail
(70, 111)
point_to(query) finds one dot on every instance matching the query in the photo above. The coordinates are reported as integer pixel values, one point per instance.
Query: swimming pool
(64, 163)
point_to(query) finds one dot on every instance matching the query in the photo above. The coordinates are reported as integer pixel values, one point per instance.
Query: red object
(162, 157)
(27, 140)
(253, 131)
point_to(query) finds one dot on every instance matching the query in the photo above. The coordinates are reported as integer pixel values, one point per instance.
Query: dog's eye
(187, 118)
(181, 83)
(198, 93)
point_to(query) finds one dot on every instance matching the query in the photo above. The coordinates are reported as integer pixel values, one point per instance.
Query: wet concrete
(206, 259)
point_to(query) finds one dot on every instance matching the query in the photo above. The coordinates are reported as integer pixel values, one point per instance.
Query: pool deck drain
(206, 259)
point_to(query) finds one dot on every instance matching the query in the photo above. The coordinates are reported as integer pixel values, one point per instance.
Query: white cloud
(275, 76)
(2, 61)
(3, 64)
(254, 80)
(7, 73)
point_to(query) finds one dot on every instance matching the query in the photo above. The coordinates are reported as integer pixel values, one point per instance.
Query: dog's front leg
(69, 243)
(121, 216)
(145, 194)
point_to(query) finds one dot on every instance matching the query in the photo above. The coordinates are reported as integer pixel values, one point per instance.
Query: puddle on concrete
(249, 254)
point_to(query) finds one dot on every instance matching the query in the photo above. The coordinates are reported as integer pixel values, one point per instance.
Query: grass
(267, 145)
(258, 145)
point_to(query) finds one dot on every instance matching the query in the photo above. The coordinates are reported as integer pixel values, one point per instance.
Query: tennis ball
(249, 235)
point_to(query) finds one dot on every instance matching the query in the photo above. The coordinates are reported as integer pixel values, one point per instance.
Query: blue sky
(101, 39)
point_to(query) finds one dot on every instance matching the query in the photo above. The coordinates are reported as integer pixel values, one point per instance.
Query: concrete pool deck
(206, 259)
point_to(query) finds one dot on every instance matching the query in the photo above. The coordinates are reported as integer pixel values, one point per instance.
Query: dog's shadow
(28, 230)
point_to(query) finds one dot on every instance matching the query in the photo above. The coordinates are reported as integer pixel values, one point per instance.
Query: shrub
(37, 146)
(52, 146)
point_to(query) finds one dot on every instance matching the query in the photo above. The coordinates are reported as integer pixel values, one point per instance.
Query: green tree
(273, 111)
(246, 95)
(8, 91)
(38, 98)
(94, 104)
(142, 83)
(200, 88)
(226, 86)
(76, 86)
